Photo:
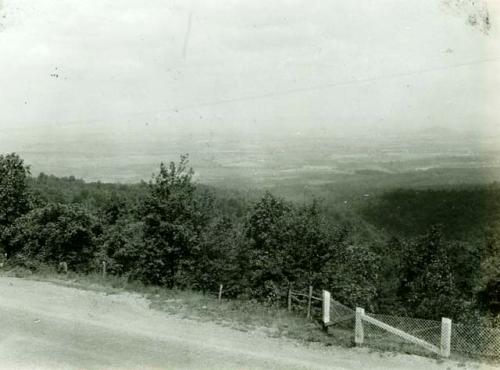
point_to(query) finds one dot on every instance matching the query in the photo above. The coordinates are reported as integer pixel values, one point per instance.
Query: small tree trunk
(220, 292)
(290, 299)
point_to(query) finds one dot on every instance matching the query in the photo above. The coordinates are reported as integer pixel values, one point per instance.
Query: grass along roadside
(243, 315)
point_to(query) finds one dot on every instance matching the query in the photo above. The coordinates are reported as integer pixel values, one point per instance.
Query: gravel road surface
(48, 326)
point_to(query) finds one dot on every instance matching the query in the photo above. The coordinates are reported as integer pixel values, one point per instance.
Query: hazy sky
(286, 65)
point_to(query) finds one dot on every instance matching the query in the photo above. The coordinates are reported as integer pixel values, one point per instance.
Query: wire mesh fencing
(400, 333)
(472, 341)
(476, 341)
(341, 323)
(340, 313)
(415, 336)
(425, 332)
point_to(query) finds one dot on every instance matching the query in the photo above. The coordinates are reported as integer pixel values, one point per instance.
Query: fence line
(361, 316)
(219, 296)
(295, 296)
(443, 338)
(409, 334)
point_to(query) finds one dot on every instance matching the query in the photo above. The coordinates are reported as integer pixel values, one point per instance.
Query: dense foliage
(14, 192)
(52, 234)
(173, 219)
(410, 252)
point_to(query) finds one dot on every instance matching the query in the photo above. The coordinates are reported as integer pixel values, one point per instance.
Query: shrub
(173, 220)
(52, 234)
(15, 198)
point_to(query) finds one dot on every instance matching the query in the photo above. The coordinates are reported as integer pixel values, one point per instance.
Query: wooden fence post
(309, 299)
(220, 292)
(104, 270)
(289, 298)
(445, 337)
(326, 307)
(359, 333)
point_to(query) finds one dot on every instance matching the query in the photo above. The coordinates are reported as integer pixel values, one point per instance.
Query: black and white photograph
(249, 185)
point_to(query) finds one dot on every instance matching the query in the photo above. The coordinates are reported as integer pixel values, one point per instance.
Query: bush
(121, 245)
(173, 219)
(215, 258)
(15, 197)
(52, 234)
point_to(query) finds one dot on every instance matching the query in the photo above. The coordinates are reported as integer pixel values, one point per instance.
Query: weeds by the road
(244, 315)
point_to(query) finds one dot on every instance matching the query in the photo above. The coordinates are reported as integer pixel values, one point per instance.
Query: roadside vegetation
(424, 253)
(248, 315)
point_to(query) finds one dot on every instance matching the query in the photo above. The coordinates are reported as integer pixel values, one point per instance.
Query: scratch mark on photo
(187, 35)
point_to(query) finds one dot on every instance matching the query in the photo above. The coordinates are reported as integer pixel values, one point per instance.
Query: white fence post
(326, 307)
(359, 334)
(445, 337)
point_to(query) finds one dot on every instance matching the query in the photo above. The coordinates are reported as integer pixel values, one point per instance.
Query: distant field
(293, 164)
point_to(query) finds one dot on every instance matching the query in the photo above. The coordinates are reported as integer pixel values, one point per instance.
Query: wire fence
(466, 340)
(426, 330)
(471, 341)
(304, 301)
(478, 341)
(340, 313)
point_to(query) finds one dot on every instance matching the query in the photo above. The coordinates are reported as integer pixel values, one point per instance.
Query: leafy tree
(114, 208)
(308, 246)
(121, 246)
(14, 191)
(95, 196)
(264, 221)
(428, 287)
(266, 254)
(351, 273)
(122, 239)
(390, 274)
(487, 288)
(215, 257)
(53, 234)
(15, 197)
(290, 245)
(172, 223)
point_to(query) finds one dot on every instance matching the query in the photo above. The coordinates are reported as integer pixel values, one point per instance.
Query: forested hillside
(464, 213)
(426, 253)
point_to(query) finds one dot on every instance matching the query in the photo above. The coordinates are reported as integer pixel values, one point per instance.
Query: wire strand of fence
(465, 340)
(421, 336)
(475, 340)
(425, 330)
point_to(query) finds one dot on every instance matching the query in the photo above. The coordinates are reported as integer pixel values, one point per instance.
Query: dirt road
(46, 326)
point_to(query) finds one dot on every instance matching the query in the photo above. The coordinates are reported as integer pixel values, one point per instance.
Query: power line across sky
(278, 93)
